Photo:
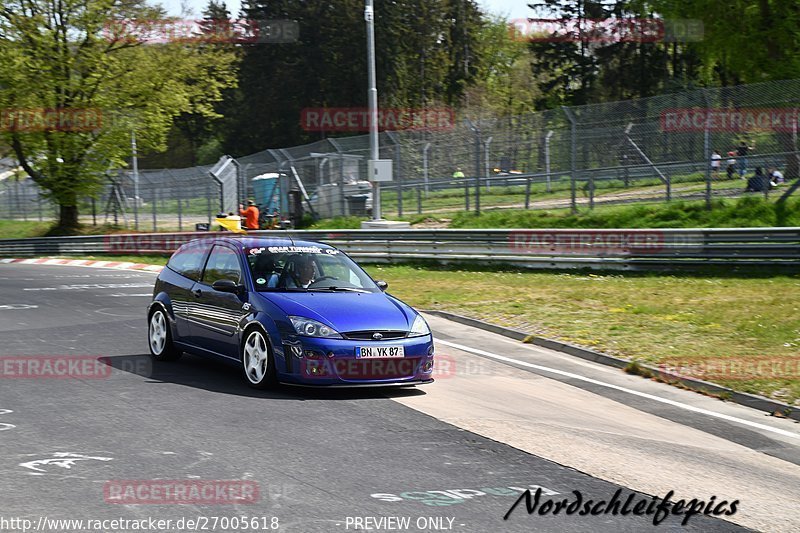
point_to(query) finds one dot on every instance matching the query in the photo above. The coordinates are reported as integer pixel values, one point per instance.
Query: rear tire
(159, 337)
(258, 365)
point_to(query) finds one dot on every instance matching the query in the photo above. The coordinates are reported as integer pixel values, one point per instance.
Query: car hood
(346, 311)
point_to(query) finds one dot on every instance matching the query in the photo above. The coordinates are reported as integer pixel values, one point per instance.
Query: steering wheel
(320, 279)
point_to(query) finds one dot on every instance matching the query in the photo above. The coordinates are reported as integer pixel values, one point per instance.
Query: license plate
(378, 352)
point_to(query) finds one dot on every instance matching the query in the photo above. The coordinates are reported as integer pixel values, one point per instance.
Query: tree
(81, 59)
(217, 41)
(504, 84)
(425, 56)
(743, 42)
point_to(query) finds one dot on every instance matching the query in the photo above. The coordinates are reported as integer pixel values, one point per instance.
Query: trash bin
(231, 223)
(357, 205)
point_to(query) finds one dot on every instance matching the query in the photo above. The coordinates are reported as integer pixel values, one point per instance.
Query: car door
(183, 270)
(216, 315)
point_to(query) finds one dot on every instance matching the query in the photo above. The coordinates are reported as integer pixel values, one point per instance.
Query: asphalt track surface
(319, 457)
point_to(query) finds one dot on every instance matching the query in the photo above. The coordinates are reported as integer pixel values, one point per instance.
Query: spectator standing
(741, 153)
(716, 161)
(250, 215)
(731, 164)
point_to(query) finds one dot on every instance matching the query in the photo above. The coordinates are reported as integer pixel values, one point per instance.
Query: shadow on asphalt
(217, 376)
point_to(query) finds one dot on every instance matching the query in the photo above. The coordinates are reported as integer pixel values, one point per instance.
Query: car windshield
(306, 268)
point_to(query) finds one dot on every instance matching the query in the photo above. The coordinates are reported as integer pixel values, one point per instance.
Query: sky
(509, 8)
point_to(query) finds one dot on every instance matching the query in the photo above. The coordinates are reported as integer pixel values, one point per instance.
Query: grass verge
(752, 211)
(745, 212)
(15, 229)
(740, 332)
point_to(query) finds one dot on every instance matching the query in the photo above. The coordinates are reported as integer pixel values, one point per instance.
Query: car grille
(368, 335)
(377, 369)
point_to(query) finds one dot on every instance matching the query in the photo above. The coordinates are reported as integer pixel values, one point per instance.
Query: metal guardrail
(617, 249)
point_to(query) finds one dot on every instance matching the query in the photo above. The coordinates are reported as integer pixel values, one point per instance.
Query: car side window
(223, 263)
(188, 260)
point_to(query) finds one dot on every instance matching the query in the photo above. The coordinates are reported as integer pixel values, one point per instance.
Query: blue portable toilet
(267, 191)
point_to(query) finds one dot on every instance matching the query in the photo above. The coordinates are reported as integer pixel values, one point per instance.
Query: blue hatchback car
(289, 311)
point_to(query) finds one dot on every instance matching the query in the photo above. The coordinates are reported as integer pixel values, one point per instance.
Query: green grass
(752, 211)
(502, 196)
(708, 326)
(338, 223)
(17, 229)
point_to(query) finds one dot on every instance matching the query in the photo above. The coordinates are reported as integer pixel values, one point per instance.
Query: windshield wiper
(334, 288)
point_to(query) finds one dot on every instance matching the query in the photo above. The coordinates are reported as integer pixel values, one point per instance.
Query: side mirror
(382, 285)
(226, 285)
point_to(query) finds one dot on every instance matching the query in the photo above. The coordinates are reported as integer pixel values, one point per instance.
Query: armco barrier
(623, 249)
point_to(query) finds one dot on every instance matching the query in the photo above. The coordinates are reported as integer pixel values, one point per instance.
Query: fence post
(477, 195)
(399, 189)
(478, 149)
(546, 164)
(398, 171)
(21, 199)
(10, 201)
(707, 152)
(669, 186)
(425, 166)
(573, 157)
(208, 201)
(528, 192)
(180, 210)
(486, 144)
(94, 211)
(136, 203)
(155, 208)
(466, 194)
(419, 200)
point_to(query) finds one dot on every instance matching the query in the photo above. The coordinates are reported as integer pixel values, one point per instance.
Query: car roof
(255, 242)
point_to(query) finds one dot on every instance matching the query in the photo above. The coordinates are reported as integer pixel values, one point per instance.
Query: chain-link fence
(648, 150)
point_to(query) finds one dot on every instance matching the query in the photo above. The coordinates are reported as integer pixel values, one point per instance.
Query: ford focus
(289, 311)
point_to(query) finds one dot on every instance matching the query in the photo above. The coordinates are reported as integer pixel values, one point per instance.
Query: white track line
(680, 405)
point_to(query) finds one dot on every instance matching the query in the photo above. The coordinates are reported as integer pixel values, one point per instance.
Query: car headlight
(312, 328)
(419, 327)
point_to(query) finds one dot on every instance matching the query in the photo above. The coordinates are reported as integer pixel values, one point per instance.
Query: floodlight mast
(372, 97)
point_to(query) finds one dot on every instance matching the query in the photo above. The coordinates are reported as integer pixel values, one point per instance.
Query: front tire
(258, 364)
(159, 338)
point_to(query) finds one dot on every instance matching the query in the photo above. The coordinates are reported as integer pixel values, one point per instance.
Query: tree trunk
(68, 217)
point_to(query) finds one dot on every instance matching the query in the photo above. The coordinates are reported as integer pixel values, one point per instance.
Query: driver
(303, 274)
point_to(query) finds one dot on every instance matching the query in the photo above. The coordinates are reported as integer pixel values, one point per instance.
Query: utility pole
(372, 95)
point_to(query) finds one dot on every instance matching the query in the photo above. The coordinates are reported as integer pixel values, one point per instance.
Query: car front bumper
(333, 362)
